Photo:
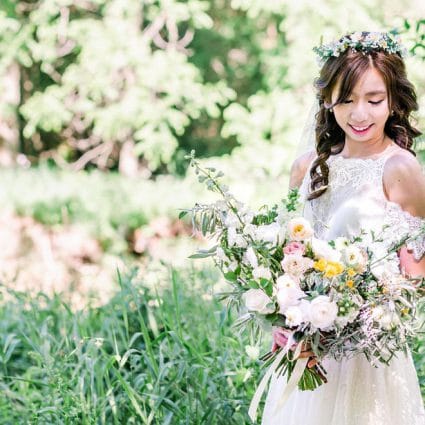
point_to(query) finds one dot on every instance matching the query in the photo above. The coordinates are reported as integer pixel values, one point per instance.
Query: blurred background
(100, 100)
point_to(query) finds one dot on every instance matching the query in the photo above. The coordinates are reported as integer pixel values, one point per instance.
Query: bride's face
(364, 114)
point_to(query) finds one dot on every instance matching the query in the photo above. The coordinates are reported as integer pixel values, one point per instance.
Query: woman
(363, 175)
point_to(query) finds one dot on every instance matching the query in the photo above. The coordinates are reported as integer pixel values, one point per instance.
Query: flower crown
(363, 42)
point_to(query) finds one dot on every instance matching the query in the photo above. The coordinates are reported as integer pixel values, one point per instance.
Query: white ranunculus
(294, 316)
(234, 238)
(296, 265)
(287, 297)
(299, 229)
(323, 312)
(257, 300)
(286, 281)
(355, 257)
(250, 258)
(261, 272)
(322, 249)
(341, 243)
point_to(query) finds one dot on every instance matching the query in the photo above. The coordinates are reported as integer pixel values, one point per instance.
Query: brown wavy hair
(346, 70)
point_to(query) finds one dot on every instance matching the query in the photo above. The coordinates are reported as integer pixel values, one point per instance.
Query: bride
(363, 175)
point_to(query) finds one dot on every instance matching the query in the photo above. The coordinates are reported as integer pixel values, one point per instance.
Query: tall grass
(161, 354)
(168, 359)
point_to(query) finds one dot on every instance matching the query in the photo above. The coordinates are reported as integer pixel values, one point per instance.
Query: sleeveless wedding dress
(357, 393)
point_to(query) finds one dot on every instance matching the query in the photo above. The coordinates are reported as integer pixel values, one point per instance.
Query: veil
(308, 135)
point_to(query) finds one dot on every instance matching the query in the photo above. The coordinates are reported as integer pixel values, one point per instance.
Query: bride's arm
(299, 168)
(404, 184)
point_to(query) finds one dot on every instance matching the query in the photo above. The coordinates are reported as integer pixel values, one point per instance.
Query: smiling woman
(363, 177)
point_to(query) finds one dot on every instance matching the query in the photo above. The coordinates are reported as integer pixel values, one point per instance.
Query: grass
(160, 352)
(169, 358)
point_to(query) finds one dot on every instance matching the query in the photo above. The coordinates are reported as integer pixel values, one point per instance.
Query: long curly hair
(346, 70)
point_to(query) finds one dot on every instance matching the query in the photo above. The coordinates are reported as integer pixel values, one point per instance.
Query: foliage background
(99, 102)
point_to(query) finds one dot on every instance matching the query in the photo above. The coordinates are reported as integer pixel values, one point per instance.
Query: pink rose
(294, 248)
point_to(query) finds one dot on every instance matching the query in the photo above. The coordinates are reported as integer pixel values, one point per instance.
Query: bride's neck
(353, 149)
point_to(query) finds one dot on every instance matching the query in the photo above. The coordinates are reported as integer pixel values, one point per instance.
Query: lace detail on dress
(355, 200)
(355, 172)
(347, 176)
(406, 224)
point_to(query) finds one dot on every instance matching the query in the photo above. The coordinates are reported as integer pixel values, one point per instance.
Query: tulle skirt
(357, 393)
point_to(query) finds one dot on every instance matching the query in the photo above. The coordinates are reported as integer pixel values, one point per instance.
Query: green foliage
(103, 73)
(104, 81)
(142, 358)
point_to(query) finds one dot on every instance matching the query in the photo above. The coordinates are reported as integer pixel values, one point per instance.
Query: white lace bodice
(355, 200)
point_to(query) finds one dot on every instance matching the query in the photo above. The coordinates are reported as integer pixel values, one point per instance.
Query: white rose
(257, 300)
(294, 316)
(250, 258)
(323, 250)
(296, 265)
(354, 257)
(286, 281)
(299, 229)
(323, 312)
(287, 297)
(261, 272)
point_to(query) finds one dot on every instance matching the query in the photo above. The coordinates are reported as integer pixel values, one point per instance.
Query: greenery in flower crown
(363, 42)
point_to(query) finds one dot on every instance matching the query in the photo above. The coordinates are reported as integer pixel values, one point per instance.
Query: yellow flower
(320, 265)
(404, 310)
(329, 268)
(351, 272)
(333, 269)
(350, 283)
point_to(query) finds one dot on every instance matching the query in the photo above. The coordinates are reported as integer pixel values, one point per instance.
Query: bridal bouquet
(341, 298)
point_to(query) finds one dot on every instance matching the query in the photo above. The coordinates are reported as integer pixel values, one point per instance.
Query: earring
(392, 112)
(331, 110)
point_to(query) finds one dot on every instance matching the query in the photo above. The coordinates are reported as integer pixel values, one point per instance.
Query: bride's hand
(306, 352)
(280, 339)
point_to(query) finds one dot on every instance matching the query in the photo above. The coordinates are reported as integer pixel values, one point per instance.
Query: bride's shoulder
(404, 182)
(300, 167)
